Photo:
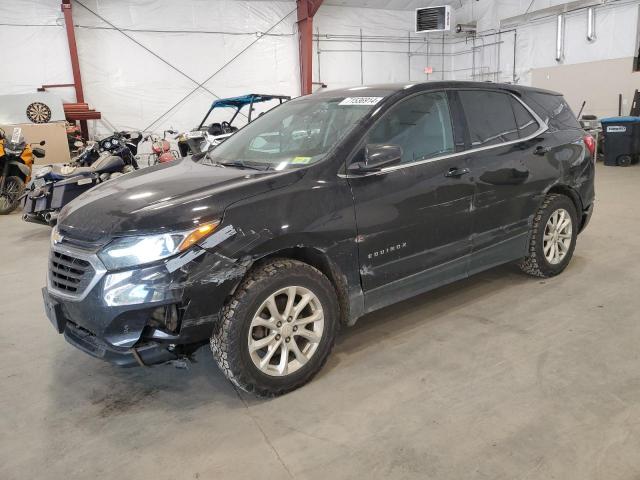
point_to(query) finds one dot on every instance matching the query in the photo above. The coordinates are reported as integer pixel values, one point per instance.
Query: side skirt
(504, 252)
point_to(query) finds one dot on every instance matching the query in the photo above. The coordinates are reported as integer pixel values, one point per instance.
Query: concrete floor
(501, 376)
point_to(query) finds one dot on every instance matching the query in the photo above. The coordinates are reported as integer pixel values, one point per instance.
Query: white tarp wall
(34, 47)
(616, 27)
(368, 46)
(237, 47)
(134, 89)
(233, 46)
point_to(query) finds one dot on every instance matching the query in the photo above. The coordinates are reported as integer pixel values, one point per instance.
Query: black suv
(326, 208)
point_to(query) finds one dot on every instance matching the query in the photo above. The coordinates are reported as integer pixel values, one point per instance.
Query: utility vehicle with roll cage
(207, 135)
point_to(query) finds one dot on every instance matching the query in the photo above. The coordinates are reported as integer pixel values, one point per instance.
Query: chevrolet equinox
(325, 208)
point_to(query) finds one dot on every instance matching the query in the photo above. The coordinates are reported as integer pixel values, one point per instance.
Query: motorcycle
(16, 160)
(121, 144)
(161, 148)
(56, 185)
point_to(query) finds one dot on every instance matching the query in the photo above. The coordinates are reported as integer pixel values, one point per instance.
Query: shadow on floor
(114, 391)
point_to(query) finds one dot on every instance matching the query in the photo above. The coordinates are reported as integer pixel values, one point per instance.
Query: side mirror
(43, 143)
(376, 157)
(38, 152)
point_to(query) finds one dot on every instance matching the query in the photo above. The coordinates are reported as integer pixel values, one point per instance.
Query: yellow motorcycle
(16, 161)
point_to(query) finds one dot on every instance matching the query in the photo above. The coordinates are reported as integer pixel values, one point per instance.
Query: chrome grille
(69, 274)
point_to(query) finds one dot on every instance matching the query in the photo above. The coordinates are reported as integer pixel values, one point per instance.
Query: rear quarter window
(553, 110)
(527, 125)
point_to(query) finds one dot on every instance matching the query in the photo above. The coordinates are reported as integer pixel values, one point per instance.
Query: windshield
(297, 133)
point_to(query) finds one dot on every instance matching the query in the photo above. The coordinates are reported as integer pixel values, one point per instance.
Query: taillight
(590, 143)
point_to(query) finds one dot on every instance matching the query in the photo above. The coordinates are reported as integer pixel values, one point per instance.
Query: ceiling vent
(433, 19)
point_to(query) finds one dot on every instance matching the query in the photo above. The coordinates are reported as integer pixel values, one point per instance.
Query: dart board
(38, 112)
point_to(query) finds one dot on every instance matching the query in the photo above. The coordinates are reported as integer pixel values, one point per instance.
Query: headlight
(43, 172)
(55, 236)
(130, 251)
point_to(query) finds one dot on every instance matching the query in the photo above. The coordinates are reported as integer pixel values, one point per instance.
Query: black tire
(229, 342)
(624, 160)
(8, 203)
(536, 262)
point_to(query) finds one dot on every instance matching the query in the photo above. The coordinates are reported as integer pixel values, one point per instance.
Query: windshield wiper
(241, 164)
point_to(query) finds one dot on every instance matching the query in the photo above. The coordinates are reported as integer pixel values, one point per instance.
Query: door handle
(456, 172)
(541, 150)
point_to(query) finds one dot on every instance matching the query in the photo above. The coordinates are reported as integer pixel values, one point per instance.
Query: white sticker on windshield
(361, 101)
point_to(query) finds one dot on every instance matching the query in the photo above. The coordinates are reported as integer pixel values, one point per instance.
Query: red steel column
(306, 11)
(75, 64)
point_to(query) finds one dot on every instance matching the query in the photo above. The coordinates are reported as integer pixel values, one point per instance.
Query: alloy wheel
(557, 236)
(285, 331)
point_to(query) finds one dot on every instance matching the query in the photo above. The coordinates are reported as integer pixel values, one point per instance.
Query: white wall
(129, 85)
(616, 27)
(132, 88)
(33, 55)
(385, 47)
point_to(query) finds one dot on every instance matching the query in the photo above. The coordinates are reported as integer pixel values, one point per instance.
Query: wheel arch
(320, 260)
(572, 194)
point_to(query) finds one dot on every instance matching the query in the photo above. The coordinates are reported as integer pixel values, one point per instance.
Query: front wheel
(10, 194)
(553, 237)
(278, 329)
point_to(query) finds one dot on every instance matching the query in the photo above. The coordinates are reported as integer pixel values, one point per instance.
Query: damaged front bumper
(143, 354)
(140, 316)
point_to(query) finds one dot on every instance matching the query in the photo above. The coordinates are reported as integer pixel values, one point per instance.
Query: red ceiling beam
(75, 63)
(306, 10)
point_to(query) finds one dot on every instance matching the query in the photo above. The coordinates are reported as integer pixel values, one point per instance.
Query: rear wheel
(553, 237)
(624, 160)
(278, 329)
(9, 195)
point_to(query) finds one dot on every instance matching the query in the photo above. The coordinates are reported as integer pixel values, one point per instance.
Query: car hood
(167, 197)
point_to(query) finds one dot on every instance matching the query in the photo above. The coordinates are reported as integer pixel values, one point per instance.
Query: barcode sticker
(361, 101)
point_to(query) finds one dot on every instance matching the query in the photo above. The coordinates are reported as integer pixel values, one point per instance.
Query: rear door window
(490, 117)
(420, 125)
(527, 125)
